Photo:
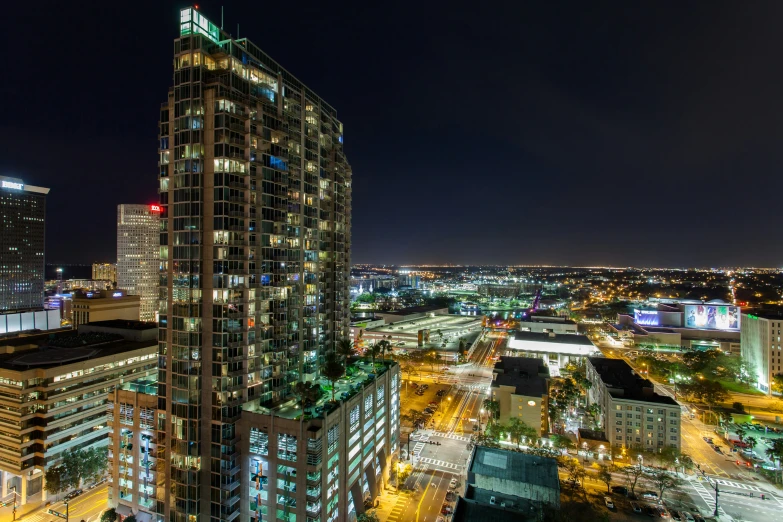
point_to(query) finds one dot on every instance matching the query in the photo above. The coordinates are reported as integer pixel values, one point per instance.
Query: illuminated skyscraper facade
(22, 238)
(255, 201)
(138, 251)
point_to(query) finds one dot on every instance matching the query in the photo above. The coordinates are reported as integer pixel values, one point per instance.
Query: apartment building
(135, 450)
(760, 343)
(632, 415)
(255, 203)
(104, 272)
(327, 466)
(138, 255)
(520, 385)
(23, 214)
(54, 393)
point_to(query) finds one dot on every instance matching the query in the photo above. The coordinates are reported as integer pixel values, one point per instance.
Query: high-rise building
(138, 255)
(104, 272)
(23, 211)
(760, 344)
(255, 203)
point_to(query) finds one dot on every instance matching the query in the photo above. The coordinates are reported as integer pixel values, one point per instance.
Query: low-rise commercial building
(54, 394)
(632, 415)
(547, 324)
(104, 305)
(505, 485)
(556, 350)
(520, 386)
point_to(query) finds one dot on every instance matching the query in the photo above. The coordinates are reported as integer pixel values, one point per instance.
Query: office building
(135, 454)
(138, 255)
(632, 415)
(105, 305)
(761, 345)
(505, 485)
(23, 213)
(105, 272)
(56, 391)
(520, 385)
(255, 205)
(547, 324)
(557, 350)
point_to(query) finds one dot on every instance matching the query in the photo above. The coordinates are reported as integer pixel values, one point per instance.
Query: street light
(715, 487)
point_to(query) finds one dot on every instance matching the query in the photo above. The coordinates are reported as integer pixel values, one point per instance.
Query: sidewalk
(388, 502)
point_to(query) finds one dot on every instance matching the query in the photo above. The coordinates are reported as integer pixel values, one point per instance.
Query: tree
(741, 433)
(493, 410)
(632, 474)
(576, 472)
(664, 480)
(605, 476)
(374, 350)
(751, 441)
(53, 480)
(384, 346)
(562, 442)
(332, 369)
(775, 453)
(110, 515)
(307, 393)
(518, 430)
(777, 383)
(496, 431)
(95, 462)
(368, 516)
(439, 333)
(345, 348)
(131, 518)
(73, 465)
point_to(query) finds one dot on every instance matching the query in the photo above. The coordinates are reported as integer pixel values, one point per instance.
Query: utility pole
(14, 488)
(715, 487)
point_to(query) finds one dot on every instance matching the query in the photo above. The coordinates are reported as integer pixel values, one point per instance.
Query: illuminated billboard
(712, 317)
(646, 317)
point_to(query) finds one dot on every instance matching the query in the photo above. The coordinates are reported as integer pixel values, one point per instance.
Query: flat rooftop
(475, 507)
(523, 373)
(445, 323)
(577, 339)
(515, 466)
(624, 383)
(125, 324)
(546, 319)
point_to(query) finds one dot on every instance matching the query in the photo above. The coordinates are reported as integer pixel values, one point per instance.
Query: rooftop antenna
(221, 17)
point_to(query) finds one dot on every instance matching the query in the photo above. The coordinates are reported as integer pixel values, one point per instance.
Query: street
(88, 507)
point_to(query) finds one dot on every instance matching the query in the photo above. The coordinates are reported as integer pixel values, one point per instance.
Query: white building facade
(138, 255)
(760, 343)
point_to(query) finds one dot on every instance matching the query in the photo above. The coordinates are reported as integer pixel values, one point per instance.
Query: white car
(453, 483)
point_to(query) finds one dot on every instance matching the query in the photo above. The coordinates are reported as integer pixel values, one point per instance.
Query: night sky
(577, 133)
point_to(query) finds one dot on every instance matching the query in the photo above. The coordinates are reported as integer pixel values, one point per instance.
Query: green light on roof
(193, 22)
(755, 317)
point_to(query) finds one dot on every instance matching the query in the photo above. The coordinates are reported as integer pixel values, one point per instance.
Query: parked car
(675, 514)
(453, 483)
(662, 512)
(608, 502)
(636, 507)
(687, 516)
(73, 494)
(651, 511)
(649, 495)
(620, 490)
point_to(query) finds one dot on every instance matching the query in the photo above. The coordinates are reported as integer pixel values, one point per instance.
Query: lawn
(738, 387)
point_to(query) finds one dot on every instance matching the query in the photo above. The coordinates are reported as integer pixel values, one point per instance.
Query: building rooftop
(553, 338)
(515, 466)
(476, 508)
(771, 314)
(415, 310)
(62, 347)
(526, 374)
(546, 319)
(624, 383)
(125, 324)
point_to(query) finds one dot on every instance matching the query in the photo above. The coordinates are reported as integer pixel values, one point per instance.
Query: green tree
(518, 430)
(664, 480)
(346, 349)
(383, 347)
(575, 470)
(777, 383)
(562, 442)
(95, 462)
(751, 441)
(631, 474)
(496, 431)
(741, 433)
(110, 515)
(775, 453)
(332, 369)
(368, 516)
(53, 483)
(307, 393)
(605, 476)
(131, 518)
(493, 410)
(73, 465)
(374, 350)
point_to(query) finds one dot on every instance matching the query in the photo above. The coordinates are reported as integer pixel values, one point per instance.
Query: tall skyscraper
(255, 199)
(22, 239)
(104, 272)
(138, 255)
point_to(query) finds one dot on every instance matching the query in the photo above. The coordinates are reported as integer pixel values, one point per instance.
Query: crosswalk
(737, 485)
(417, 448)
(398, 509)
(441, 463)
(707, 495)
(452, 436)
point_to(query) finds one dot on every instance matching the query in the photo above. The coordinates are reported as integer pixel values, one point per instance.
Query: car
(662, 512)
(447, 510)
(425, 386)
(649, 495)
(717, 449)
(445, 368)
(636, 507)
(73, 494)
(652, 512)
(675, 514)
(608, 502)
(453, 483)
(415, 385)
(620, 490)
(698, 518)
(451, 496)
(475, 427)
(708, 440)
(687, 516)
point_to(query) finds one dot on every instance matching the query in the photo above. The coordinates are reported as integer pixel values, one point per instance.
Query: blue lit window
(277, 163)
(265, 280)
(340, 139)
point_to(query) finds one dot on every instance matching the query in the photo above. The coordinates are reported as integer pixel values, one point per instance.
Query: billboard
(646, 317)
(712, 317)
